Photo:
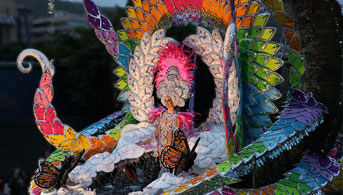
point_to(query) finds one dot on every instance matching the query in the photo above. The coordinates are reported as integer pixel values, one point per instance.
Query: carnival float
(153, 146)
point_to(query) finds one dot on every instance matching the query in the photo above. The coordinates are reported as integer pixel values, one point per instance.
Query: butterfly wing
(179, 142)
(170, 157)
(178, 155)
(192, 155)
(182, 165)
(47, 176)
(186, 162)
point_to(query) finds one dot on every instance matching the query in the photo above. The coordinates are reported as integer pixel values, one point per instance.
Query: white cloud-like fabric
(165, 183)
(131, 134)
(66, 191)
(97, 163)
(126, 149)
(211, 149)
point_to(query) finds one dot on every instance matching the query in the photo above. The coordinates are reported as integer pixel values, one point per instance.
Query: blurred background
(83, 83)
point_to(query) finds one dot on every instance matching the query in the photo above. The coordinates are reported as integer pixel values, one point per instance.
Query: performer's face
(169, 102)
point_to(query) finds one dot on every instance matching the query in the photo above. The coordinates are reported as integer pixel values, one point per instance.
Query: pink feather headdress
(174, 73)
(175, 56)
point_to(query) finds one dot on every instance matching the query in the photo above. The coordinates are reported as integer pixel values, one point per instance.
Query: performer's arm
(150, 139)
(157, 133)
(178, 124)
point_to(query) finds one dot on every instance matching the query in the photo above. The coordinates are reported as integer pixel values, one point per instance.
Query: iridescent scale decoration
(239, 43)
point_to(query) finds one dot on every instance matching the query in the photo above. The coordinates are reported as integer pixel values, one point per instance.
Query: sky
(341, 3)
(107, 3)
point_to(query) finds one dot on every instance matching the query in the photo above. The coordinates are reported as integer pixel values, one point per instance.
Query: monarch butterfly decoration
(178, 156)
(49, 175)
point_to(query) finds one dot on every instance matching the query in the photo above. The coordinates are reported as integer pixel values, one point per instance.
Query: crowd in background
(17, 183)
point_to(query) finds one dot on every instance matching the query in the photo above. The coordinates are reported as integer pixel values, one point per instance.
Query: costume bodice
(167, 123)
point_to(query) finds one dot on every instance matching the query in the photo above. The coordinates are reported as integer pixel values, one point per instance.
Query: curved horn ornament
(57, 133)
(39, 56)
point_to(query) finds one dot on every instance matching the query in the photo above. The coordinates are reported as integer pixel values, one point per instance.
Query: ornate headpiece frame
(174, 74)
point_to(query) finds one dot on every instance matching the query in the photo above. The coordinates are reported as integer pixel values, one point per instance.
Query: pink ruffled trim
(155, 112)
(186, 119)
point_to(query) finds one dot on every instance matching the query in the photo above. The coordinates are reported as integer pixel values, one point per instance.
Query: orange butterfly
(49, 175)
(178, 156)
